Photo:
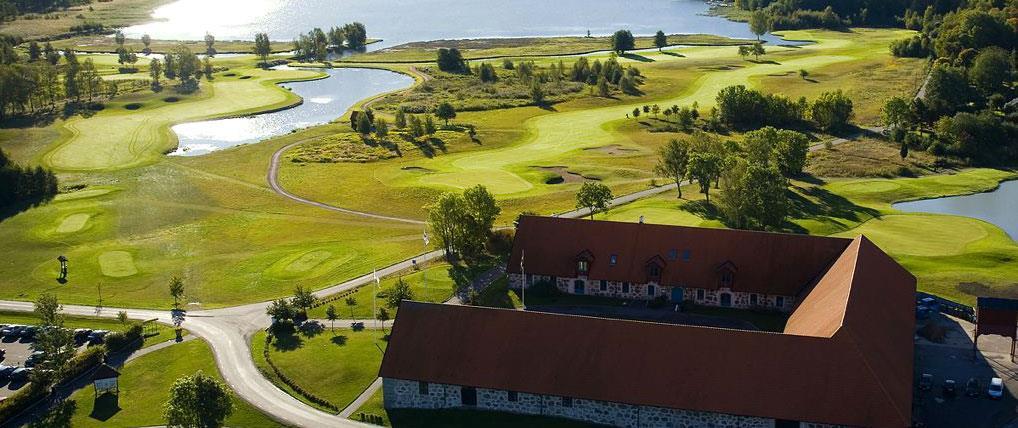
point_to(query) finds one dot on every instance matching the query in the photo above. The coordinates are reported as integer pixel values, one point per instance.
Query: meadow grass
(145, 385)
(110, 13)
(336, 366)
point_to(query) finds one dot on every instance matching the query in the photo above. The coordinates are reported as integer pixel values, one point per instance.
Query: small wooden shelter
(105, 380)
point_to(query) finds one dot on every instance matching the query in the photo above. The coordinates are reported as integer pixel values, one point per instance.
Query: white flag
(426, 240)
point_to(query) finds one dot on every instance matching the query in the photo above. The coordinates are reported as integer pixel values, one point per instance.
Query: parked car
(11, 331)
(28, 332)
(950, 388)
(97, 336)
(930, 303)
(972, 388)
(5, 371)
(996, 389)
(20, 374)
(34, 358)
(925, 382)
(81, 334)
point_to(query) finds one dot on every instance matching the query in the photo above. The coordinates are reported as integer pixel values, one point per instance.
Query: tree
(706, 160)
(754, 196)
(55, 342)
(451, 61)
(832, 110)
(34, 51)
(594, 196)
(897, 113)
(147, 41)
(119, 38)
(757, 49)
(636, 112)
(210, 42)
(155, 71)
(356, 35)
(744, 51)
(400, 118)
(445, 111)
(947, 89)
(537, 93)
(381, 129)
(176, 290)
(364, 124)
(429, 125)
(198, 401)
(480, 211)
(383, 316)
(303, 299)
(351, 302)
(400, 292)
(991, 70)
(446, 220)
(781, 148)
(280, 310)
(623, 41)
(803, 73)
(262, 46)
(603, 89)
(330, 314)
(660, 40)
(207, 68)
(673, 160)
(759, 23)
(122, 317)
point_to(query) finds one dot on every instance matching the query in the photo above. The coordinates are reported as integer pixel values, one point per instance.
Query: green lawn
(334, 366)
(432, 284)
(145, 385)
(456, 418)
(155, 333)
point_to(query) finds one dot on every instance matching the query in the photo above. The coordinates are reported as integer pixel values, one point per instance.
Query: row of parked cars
(18, 331)
(15, 373)
(973, 388)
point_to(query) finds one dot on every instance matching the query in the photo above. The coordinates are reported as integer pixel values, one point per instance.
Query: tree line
(21, 184)
(10, 9)
(317, 43)
(836, 14)
(43, 81)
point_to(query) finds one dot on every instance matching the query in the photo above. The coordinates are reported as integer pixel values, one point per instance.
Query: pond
(324, 100)
(999, 207)
(401, 21)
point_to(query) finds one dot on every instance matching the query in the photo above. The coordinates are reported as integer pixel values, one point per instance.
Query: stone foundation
(403, 394)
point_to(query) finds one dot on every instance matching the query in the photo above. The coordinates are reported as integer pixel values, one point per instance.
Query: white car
(996, 389)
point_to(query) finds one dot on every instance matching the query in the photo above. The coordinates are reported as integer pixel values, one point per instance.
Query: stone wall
(400, 393)
(648, 291)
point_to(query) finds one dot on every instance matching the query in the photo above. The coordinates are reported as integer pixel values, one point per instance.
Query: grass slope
(145, 385)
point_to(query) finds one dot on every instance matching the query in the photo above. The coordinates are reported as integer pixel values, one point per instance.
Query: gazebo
(105, 380)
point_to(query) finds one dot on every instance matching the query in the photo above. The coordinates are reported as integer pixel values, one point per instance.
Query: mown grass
(145, 385)
(525, 47)
(155, 333)
(111, 13)
(434, 284)
(334, 366)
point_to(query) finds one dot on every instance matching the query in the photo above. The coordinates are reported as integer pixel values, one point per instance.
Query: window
(613, 259)
(651, 290)
(673, 254)
(779, 301)
(654, 270)
(604, 285)
(625, 287)
(726, 279)
(582, 266)
(567, 402)
(513, 396)
(752, 299)
(686, 254)
(422, 388)
(699, 294)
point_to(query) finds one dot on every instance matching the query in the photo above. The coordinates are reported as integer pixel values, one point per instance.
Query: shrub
(20, 401)
(657, 302)
(543, 288)
(84, 361)
(123, 340)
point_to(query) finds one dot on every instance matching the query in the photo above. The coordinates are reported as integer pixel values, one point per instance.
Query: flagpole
(374, 296)
(523, 289)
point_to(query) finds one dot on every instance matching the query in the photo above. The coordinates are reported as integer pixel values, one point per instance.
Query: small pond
(324, 100)
(999, 207)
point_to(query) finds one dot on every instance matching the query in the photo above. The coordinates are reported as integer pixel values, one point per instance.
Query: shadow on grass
(764, 61)
(675, 54)
(285, 340)
(637, 57)
(106, 406)
(59, 416)
(339, 340)
(826, 204)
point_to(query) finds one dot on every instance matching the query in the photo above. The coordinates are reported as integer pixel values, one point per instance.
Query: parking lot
(955, 359)
(17, 351)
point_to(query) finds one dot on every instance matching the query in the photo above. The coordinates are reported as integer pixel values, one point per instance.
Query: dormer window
(726, 279)
(726, 274)
(582, 267)
(654, 271)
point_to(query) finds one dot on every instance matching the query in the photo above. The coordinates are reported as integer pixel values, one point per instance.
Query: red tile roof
(768, 263)
(845, 356)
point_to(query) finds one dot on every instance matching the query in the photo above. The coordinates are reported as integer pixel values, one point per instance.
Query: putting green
(73, 223)
(922, 234)
(117, 264)
(309, 263)
(118, 137)
(308, 260)
(498, 181)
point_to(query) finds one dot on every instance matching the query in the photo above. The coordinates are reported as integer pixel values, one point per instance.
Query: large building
(845, 357)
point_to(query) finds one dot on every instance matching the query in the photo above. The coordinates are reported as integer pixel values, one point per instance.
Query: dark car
(5, 371)
(34, 358)
(925, 382)
(20, 374)
(28, 332)
(81, 334)
(11, 331)
(972, 388)
(950, 388)
(97, 336)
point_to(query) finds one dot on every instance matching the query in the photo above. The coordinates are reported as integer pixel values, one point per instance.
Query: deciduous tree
(594, 196)
(673, 160)
(198, 401)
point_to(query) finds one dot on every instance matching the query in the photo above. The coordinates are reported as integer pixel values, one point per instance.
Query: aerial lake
(401, 21)
(999, 207)
(324, 100)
